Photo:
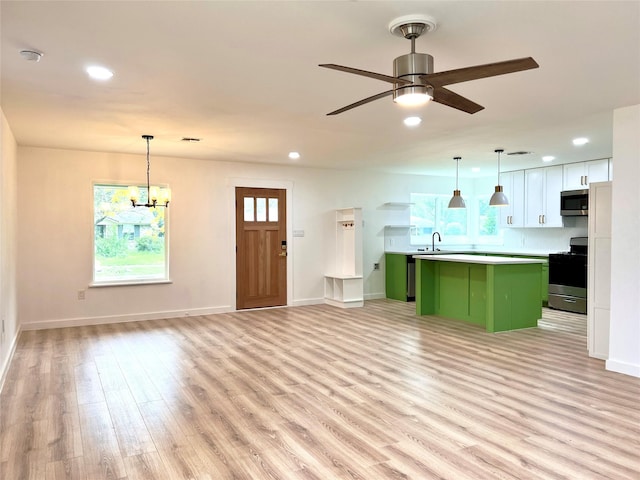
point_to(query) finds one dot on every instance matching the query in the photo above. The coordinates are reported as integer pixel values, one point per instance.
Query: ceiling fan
(414, 81)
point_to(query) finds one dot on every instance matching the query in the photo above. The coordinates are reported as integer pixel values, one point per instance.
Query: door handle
(282, 254)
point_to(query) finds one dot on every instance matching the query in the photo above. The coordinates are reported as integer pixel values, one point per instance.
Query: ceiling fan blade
(452, 99)
(459, 75)
(365, 73)
(362, 102)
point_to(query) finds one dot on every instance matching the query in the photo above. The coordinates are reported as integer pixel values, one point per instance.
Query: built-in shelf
(398, 204)
(344, 286)
(399, 226)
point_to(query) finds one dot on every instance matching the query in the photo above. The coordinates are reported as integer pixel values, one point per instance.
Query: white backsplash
(534, 239)
(552, 239)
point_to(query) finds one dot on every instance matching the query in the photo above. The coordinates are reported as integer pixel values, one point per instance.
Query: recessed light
(412, 121)
(99, 73)
(475, 169)
(294, 155)
(580, 141)
(548, 158)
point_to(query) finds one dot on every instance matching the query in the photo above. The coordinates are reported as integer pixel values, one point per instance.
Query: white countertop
(496, 251)
(486, 260)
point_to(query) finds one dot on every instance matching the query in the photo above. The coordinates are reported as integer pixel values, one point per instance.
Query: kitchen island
(499, 293)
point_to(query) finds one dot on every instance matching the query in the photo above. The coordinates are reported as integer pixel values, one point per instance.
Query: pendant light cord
(148, 175)
(498, 151)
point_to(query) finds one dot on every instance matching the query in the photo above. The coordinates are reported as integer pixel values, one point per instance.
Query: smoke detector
(31, 55)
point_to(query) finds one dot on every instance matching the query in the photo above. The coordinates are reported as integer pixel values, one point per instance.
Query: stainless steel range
(568, 277)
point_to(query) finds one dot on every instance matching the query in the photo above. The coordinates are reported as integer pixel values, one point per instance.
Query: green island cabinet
(400, 274)
(544, 281)
(498, 293)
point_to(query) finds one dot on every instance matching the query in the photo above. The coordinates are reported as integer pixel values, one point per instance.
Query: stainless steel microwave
(574, 203)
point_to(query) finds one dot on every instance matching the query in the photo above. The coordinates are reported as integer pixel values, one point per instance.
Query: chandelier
(156, 197)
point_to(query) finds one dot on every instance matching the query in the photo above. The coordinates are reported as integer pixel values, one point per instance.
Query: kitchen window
(476, 224)
(130, 243)
(429, 214)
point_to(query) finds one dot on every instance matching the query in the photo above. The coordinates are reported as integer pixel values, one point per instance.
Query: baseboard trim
(623, 367)
(7, 363)
(135, 317)
(307, 301)
(374, 296)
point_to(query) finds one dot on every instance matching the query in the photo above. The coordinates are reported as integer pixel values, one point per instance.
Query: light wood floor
(316, 392)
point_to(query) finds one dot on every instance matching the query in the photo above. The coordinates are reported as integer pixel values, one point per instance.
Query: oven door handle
(570, 300)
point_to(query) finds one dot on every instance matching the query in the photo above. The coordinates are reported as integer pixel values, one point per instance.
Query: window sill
(129, 283)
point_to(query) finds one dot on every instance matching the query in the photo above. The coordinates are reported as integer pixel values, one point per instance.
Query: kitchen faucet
(433, 241)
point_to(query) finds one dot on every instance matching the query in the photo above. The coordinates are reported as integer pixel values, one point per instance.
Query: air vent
(521, 152)
(190, 139)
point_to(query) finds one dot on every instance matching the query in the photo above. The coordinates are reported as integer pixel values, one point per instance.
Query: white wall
(624, 340)
(55, 232)
(8, 232)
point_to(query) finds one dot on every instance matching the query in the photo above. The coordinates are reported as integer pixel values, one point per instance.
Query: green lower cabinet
(498, 297)
(544, 282)
(477, 294)
(544, 285)
(514, 293)
(395, 276)
(453, 289)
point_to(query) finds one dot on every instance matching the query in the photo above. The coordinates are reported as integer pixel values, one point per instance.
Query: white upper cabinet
(512, 215)
(578, 176)
(542, 197)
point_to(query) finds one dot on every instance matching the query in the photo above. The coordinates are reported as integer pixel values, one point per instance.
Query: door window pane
(248, 209)
(273, 209)
(261, 209)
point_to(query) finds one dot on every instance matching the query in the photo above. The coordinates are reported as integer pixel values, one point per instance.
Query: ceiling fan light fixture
(411, 99)
(413, 95)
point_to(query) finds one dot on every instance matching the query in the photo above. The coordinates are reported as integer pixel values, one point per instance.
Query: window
(429, 213)
(488, 217)
(476, 224)
(130, 244)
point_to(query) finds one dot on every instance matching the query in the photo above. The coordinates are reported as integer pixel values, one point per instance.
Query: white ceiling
(244, 77)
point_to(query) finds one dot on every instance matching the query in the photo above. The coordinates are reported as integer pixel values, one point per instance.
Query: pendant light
(457, 201)
(498, 199)
(155, 197)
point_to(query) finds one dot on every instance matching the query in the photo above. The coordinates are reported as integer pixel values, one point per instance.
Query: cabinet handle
(586, 180)
(539, 218)
(544, 219)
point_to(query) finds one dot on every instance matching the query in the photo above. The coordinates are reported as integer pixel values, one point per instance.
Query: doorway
(261, 247)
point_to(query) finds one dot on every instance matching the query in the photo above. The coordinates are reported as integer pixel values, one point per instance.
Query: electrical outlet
(376, 266)
(80, 294)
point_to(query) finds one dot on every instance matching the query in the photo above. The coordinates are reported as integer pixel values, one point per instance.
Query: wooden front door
(261, 247)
